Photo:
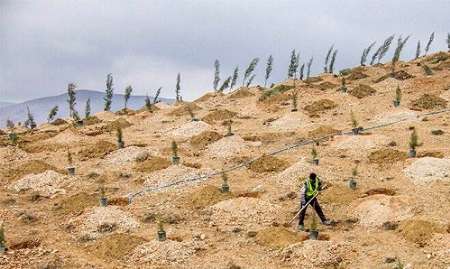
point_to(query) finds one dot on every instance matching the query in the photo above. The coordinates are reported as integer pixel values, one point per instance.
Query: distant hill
(3, 104)
(40, 107)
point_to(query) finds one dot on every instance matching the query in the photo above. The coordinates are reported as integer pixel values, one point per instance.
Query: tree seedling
(343, 87)
(352, 181)
(413, 144)
(120, 142)
(103, 198)
(398, 96)
(175, 157)
(13, 137)
(294, 97)
(2, 240)
(355, 128)
(229, 132)
(225, 187)
(70, 168)
(314, 156)
(191, 113)
(161, 234)
(427, 70)
(313, 231)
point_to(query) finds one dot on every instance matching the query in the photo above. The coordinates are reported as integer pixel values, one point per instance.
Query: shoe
(301, 227)
(326, 222)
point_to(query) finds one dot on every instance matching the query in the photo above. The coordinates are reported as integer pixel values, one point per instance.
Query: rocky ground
(399, 212)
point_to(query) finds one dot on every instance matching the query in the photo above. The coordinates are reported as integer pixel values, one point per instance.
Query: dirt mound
(320, 106)
(339, 195)
(98, 150)
(430, 153)
(99, 221)
(219, 115)
(387, 156)
(92, 120)
(418, 231)
(207, 196)
(127, 155)
(398, 75)
(377, 209)
(152, 164)
(313, 79)
(174, 173)
(58, 122)
(245, 211)
(316, 253)
(361, 142)
(267, 163)
(29, 167)
(165, 252)
(270, 95)
(290, 122)
(267, 137)
(66, 137)
(326, 85)
(428, 101)
(190, 129)
(242, 92)
(114, 125)
(106, 115)
(428, 169)
(228, 147)
(77, 203)
(322, 131)
(46, 184)
(10, 154)
(115, 246)
(207, 96)
(205, 138)
(380, 191)
(278, 237)
(362, 91)
(356, 75)
(183, 109)
(291, 175)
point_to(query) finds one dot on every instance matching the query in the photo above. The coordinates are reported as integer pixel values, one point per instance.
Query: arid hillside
(261, 140)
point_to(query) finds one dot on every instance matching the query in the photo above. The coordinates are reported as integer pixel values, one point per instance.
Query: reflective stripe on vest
(310, 191)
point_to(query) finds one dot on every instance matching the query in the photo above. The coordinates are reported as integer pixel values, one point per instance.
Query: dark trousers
(315, 204)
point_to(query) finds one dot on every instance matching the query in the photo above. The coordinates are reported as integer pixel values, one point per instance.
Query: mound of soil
(126, 111)
(418, 231)
(207, 196)
(113, 125)
(268, 95)
(313, 79)
(278, 237)
(398, 75)
(207, 96)
(151, 164)
(338, 194)
(428, 101)
(205, 138)
(268, 163)
(97, 150)
(428, 169)
(219, 115)
(380, 191)
(76, 203)
(322, 131)
(182, 109)
(115, 246)
(387, 156)
(58, 122)
(429, 153)
(39, 147)
(29, 167)
(268, 137)
(356, 74)
(243, 92)
(326, 85)
(362, 91)
(319, 106)
(91, 121)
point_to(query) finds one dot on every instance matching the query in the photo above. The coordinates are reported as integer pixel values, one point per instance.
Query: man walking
(308, 193)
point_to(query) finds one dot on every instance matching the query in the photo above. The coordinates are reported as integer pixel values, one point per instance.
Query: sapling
(385, 47)
(448, 42)
(109, 92)
(52, 114)
(175, 157)
(71, 99)
(178, 89)
(120, 142)
(313, 231)
(251, 67)
(30, 123)
(161, 234)
(234, 77)
(127, 95)
(308, 67)
(148, 103)
(327, 59)
(103, 198)
(225, 84)
(352, 180)
(250, 80)
(191, 113)
(302, 69)
(294, 97)
(229, 132)
(427, 70)
(2, 239)
(70, 168)
(156, 97)
(355, 127)
(225, 187)
(13, 137)
(400, 44)
(333, 60)
(291, 68)
(413, 143)
(430, 40)
(9, 124)
(398, 96)
(365, 53)
(87, 109)
(216, 74)
(343, 87)
(314, 156)
(269, 67)
(418, 49)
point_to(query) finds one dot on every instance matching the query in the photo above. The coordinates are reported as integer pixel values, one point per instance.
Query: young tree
(430, 40)
(375, 56)
(148, 103)
(308, 67)
(251, 67)
(398, 96)
(2, 239)
(120, 142)
(302, 69)
(385, 47)
(158, 92)
(291, 68)
(250, 80)
(333, 60)
(87, 109)
(9, 124)
(30, 123)
(127, 94)
(327, 58)
(417, 50)
(268, 69)
(448, 42)
(178, 88)
(109, 92)
(216, 74)
(234, 78)
(225, 84)
(294, 97)
(365, 53)
(71, 98)
(400, 44)
(52, 113)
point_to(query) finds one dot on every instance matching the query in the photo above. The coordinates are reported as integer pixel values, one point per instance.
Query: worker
(308, 192)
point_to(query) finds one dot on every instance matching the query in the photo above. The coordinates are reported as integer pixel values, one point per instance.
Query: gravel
(127, 155)
(190, 129)
(47, 183)
(174, 173)
(385, 118)
(428, 169)
(361, 142)
(11, 153)
(228, 147)
(291, 122)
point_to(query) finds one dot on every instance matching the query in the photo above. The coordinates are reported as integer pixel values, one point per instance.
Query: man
(311, 187)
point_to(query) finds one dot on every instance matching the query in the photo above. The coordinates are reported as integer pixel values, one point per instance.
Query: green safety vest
(310, 190)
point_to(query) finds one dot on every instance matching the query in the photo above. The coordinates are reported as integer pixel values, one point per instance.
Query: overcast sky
(46, 44)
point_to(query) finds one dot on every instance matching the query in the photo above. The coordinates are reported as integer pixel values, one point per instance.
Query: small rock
(389, 259)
